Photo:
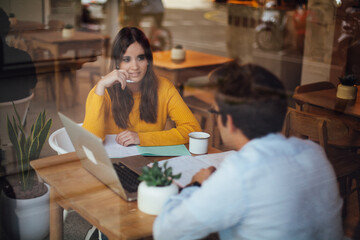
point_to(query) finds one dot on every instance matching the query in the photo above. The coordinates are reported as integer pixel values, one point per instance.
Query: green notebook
(174, 150)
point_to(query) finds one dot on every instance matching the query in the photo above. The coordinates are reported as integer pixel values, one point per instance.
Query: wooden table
(84, 45)
(196, 64)
(23, 26)
(14, 36)
(325, 102)
(73, 187)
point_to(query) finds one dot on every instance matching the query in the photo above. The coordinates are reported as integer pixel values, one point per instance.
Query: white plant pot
(26, 219)
(346, 92)
(151, 199)
(67, 33)
(13, 21)
(178, 55)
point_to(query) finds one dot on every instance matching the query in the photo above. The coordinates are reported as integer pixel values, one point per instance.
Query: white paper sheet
(189, 165)
(115, 150)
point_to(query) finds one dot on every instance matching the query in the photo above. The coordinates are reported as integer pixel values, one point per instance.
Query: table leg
(56, 217)
(74, 86)
(57, 85)
(178, 84)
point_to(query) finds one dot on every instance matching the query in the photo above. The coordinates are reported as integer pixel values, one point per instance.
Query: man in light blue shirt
(271, 188)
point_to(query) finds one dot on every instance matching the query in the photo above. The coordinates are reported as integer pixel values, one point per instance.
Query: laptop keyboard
(128, 178)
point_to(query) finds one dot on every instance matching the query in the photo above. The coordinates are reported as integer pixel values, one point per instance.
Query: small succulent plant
(11, 15)
(158, 176)
(68, 26)
(348, 80)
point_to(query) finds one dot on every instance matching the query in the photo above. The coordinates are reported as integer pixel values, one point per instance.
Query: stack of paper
(189, 165)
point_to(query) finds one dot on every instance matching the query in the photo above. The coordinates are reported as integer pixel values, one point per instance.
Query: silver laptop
(95, 160)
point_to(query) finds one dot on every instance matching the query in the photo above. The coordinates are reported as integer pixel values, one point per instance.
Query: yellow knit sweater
(99, 118)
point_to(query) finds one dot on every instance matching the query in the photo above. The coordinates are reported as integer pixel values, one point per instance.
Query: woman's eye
(126, 59)
(141, 57)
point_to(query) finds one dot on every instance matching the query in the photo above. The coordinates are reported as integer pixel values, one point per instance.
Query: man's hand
(127, 138)
(203, 174)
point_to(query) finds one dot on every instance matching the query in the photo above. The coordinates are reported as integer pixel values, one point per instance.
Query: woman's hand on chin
(116, 76)
(127, 138)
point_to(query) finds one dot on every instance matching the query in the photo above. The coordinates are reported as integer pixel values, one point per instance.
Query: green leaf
(43, 135)
(37, 126)
(158, 176)
(22, 141)
(13, 139)
(168, 172)
(33, 148)
(177, 176)
(25, 157)
(43, 118)
(15, 124)
(27, 143)
(17, 114)
(32, 129)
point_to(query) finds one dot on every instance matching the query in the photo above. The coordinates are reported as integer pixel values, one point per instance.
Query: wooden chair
(45, 70)
(200, 109)
(309, 88)
(352, 140)
(207, 121)
(204, 117)
(60, 142)
(323, 130)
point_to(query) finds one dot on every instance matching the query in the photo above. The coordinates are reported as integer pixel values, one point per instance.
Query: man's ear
(230, 124)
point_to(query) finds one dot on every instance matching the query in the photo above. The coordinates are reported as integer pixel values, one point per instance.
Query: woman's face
(134, 62)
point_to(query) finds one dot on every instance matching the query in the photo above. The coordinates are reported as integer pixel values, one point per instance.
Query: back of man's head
(254, 97)
(4, 23)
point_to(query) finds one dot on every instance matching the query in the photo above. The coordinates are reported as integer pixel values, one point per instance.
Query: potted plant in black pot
(156, 187)
(347, 88)
(12, 19)
(178, 54)
(68, 31)
(25, 200)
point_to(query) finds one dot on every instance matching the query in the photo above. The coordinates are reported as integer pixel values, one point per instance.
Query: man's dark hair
(254, 97)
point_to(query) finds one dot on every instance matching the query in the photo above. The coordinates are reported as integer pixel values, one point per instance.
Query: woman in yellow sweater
(133, 103)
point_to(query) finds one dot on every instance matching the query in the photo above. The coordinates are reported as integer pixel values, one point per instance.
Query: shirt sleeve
(195, 216)
(96, 113)
(179, 112)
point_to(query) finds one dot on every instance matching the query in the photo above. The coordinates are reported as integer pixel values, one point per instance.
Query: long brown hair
(122, 100)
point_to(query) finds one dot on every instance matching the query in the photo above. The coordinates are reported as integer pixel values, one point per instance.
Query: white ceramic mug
(198, 142)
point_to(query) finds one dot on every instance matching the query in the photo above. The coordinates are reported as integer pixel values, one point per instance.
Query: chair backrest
(310, 88)
(315, 127)
(56, 24)
(60, 142)
(7, 109)
(204, 117)
(215, 74)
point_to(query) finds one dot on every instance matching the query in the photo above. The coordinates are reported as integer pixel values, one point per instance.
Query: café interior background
(301, 41)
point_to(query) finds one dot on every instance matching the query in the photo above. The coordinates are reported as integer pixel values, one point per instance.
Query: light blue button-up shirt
(273, 188)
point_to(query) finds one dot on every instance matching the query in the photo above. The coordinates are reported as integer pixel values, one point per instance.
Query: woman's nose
(134, 64)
